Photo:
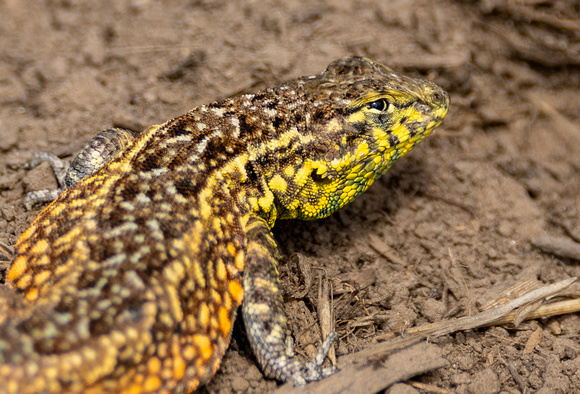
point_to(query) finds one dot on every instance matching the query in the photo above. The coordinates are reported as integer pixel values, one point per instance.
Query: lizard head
(362, 117)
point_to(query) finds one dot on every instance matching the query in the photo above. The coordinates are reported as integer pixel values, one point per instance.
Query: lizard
(131, 279)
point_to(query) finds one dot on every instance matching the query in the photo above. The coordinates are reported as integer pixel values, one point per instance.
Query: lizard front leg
(95, 155)
(263, 313)
(100, 150)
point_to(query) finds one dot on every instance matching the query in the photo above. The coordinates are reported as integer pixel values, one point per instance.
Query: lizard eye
(380, 105)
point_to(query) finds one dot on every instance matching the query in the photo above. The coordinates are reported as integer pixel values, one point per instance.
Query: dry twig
(384, 364)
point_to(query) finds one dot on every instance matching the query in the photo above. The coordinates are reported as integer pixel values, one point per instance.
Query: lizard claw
(312, 370)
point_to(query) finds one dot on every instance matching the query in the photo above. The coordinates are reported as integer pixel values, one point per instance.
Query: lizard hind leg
(263, 313)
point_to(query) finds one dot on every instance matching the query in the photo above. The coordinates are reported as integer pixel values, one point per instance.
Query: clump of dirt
(450, 225)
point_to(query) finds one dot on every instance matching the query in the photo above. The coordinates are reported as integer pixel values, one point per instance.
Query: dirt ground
(446, 229)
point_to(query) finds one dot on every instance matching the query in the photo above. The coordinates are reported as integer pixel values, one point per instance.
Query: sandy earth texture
(451, 224)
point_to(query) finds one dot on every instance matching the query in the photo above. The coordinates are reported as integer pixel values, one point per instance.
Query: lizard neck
(210, 145)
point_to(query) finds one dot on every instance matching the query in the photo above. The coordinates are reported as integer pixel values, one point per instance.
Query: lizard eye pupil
(380, 105)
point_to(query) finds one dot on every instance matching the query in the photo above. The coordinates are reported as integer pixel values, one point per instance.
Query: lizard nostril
(437, 97)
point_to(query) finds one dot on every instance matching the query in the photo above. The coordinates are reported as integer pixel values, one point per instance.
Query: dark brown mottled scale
(131, 279)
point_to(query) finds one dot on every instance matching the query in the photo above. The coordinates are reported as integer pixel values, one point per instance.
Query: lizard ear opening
(323, 179)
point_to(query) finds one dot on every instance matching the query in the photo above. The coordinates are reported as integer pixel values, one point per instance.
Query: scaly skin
(130, 280)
